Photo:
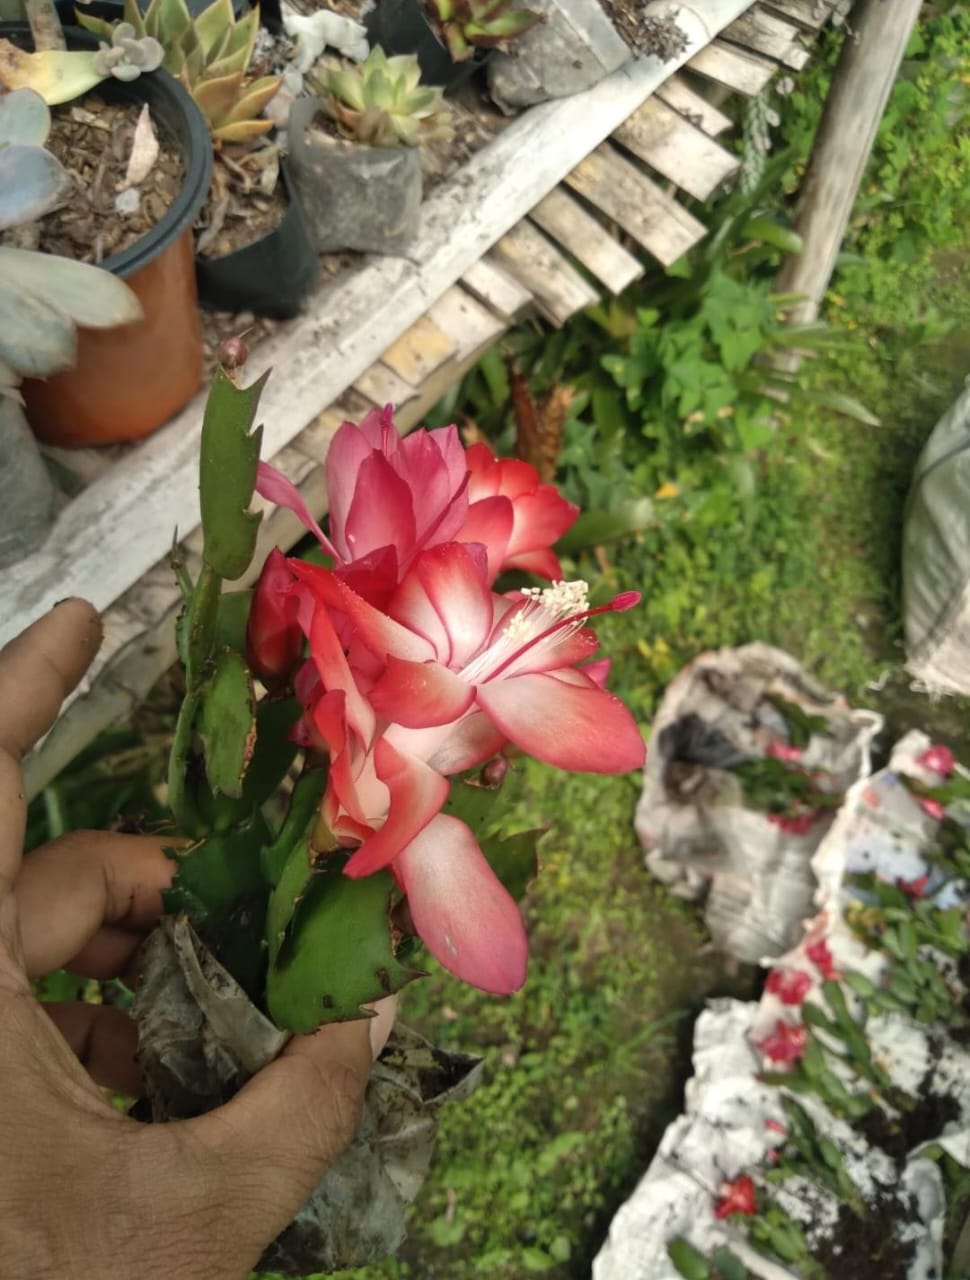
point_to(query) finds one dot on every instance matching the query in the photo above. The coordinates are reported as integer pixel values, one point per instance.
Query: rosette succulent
(128, 54)
(467, 25)
(382, 102)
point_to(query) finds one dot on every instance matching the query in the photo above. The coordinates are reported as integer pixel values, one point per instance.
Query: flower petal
(454, 578)
(541, 518)
(489, 521)
(542, 562)
(420, 694)
(275, 487)
(382, 511)
(451, 748)
(565, 719)
(379, 632)
(416, 795)
(465, 917)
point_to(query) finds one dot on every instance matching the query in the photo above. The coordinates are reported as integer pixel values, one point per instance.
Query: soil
(898, 1135)
(658, 36)
(863, 1248)
(245, 201)
(93, 142)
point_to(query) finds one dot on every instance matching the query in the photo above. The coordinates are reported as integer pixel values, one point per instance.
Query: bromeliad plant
(397, 678)
(381, 101)
(467, 26)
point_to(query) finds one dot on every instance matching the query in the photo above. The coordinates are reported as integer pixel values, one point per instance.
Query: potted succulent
(42, 298)
(128, 383)
(273, 270)
(450, 38)
(576, 45)
(358, 172)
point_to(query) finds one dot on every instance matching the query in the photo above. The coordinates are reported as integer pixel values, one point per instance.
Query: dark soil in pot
(868, 1248)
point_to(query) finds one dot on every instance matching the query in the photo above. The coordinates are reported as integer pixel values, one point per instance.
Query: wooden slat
(653, 218)
(589, 242)
(559, 290)
(488, 282)
(668, 143)
(119, 526)
(382, 385)
(765, 33)
(811, 15)
(693, 106)
(417, 353)
(744, 72)
(465, 319)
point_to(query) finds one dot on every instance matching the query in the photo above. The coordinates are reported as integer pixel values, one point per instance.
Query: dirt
(246, 201)
(863, 1248)
(898, 1135)
(93, 142)
(661, 37)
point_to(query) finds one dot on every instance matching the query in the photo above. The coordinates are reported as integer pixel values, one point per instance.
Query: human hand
(86, 1192)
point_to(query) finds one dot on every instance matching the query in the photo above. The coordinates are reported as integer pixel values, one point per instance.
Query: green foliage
(467, 25)
(230, 452)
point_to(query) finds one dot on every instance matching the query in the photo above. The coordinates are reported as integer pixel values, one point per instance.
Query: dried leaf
(144, 151)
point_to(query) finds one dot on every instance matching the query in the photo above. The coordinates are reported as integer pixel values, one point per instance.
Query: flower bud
(494, 771)
(274, 641)
(233, 354)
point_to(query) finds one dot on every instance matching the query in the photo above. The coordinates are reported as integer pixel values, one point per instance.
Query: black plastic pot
(402, 26)
(271, 276)
(130, 380)
(354, 196)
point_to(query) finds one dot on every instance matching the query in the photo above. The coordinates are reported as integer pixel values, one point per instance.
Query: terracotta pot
(128, 381)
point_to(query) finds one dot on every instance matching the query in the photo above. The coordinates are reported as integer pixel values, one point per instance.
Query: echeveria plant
(396, 678)
(467, 25)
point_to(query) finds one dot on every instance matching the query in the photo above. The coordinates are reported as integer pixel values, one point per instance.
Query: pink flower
(274, 641)
(820, 954)
(913, 888)
(513, 516)
(775, 1126)
(791, 986)
(737, 1196)
(783, 751)
(797, 824)
(785, 1044)
(938, 759)
(932, 808)
(448, 649)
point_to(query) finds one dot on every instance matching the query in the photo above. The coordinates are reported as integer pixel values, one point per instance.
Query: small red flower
(913, 888)
(785, 1044)
(938, 759)
(737, 1196)
(820, 954)
(932, 808)
(799, 824)
(779, 750)
(791, 986)
(775, 1126)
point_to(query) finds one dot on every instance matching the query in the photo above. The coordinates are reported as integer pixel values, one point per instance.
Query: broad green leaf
(227, 723)
(690, 1262)
(25, 119)
(774, 234)
(335, 952)
(838, 402)
(220, 869)
(86, 294)
(595, 527)
(228, 475)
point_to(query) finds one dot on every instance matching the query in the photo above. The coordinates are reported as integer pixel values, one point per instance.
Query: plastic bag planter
(402, 26)
(271, 276)
(355, 197)
(573, 48)
(201, 1039)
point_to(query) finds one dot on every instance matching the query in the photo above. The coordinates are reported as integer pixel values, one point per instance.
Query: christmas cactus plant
(381, 684)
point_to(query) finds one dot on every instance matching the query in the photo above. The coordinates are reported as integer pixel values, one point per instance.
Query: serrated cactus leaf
(88, 295)
(300, 815)
(32, 182)
(36, 338)
(213, 24)
(227, 475)
(333, 953)
(218, 870)
(24, 119)
(274, 753)
(227, 724)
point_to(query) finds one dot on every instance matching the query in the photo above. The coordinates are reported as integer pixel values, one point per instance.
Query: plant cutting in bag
(337, 768)
(355, 151)
(140, 163)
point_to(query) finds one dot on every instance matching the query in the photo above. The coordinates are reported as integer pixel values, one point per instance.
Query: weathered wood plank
(683, 153)
(566, 221)
(810, 15)
(559, 290)
(465, 320)
(693, 106)
(653, 218)
(736, 69)
(122, 524)
(489, 283)
(382, 385)
(765, 33)
(418, 351)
